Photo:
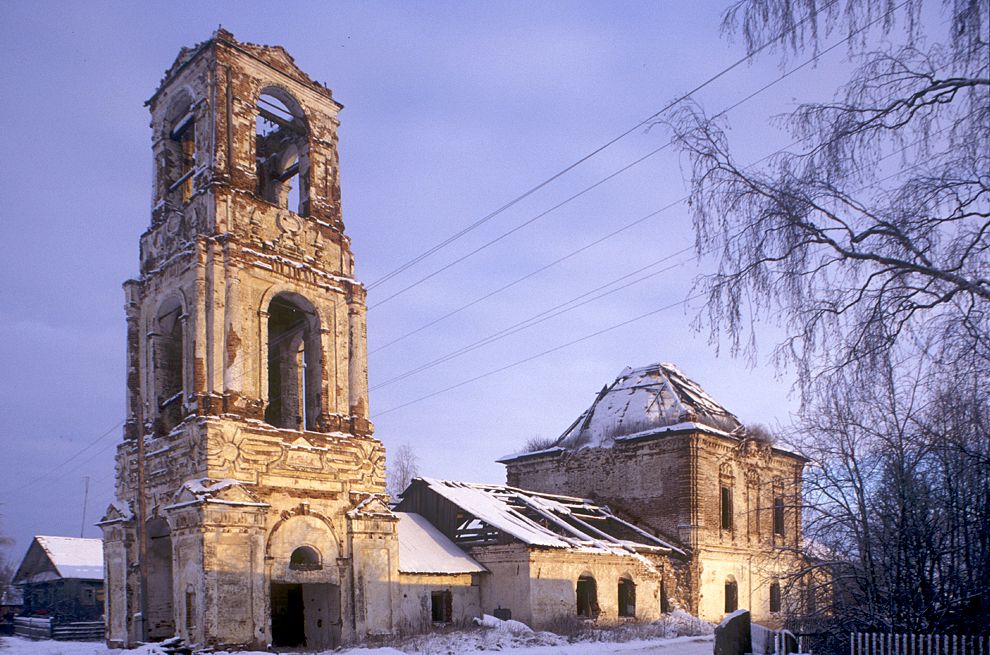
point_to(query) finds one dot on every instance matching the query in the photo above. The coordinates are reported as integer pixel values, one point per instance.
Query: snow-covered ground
(677, 633)
(676, 646)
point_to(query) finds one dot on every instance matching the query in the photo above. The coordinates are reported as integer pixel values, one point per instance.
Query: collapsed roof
(491, 513)
(644, 401)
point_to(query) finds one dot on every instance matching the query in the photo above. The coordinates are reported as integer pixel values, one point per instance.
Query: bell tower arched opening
(282, 151)
(294, 364)
(167, 340)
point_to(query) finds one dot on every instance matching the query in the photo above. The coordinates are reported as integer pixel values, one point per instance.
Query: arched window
(179, 151)
(774, 596)
(282, 152)
(587, 597)
(167, 353)
(305, 558)
(627, 597)
(731, 595)
(294, 364)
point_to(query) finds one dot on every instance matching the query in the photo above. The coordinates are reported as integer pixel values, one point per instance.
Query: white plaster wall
(414, 606)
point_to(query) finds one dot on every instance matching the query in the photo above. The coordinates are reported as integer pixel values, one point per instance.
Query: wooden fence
(44, 628)
(876, 643)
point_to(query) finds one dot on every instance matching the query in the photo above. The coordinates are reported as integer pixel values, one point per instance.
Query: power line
(567, 169)
(515, 229)
(545, 315)
(623, 323)
(55, 468)
(621, 170)
(540, 354)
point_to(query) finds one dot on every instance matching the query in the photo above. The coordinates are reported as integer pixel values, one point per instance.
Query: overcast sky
(451, 110)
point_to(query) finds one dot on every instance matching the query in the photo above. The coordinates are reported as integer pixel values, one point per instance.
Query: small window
(305, 558)
(627, 598)
(190, 613)
(775, 596)
(810, 599)
(441, 606)
(731, 596)
(726, 508)
(778, 516)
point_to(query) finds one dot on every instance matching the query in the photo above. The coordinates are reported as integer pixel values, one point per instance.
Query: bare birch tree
(402, 466)
(868, 242)
(875, 228)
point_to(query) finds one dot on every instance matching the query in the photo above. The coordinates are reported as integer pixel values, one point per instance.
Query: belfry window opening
(167, 353)
(179, 154)
(293, 365)
(282, 152)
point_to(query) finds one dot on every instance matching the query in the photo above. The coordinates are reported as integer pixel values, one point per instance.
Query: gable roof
(52, 558)
(643, 401)
(538, 519)
(424, 549)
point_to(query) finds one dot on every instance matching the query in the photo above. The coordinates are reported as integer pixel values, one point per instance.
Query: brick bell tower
(250, 507)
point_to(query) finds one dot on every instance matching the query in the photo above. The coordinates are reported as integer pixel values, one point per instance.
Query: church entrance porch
(305, 615)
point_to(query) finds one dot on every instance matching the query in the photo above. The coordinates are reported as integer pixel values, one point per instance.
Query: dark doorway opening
(731, 596)
(160, 622)
(306, 615)
(627, 598)
(587, 597)
(288, 627)
(441, 606)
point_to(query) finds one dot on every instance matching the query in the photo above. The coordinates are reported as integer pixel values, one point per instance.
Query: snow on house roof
(644, 401)
(424, 549)
(548, 520)
(74, 557)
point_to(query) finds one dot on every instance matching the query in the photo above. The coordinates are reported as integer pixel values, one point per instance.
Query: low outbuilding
(548, 556)
(62, 578)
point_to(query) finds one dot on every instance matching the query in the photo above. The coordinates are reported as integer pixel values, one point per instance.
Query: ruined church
(250, 506)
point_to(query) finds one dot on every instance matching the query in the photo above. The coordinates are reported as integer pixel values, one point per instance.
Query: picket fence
(877, 643)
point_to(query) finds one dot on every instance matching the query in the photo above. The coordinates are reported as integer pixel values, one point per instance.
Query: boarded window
(775, 597)
(731, 596)
(627, 598)
(441, 606)
(778, 515)
(726, 506)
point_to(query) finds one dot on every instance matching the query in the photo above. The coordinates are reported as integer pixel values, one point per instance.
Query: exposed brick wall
(672, 483)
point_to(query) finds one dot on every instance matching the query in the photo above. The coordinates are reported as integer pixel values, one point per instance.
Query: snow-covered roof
(645, 401)
(72, 557)
(539, 519)
(424, 549)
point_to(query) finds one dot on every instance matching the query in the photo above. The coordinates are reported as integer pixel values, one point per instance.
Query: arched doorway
(587, 597)
(160, 620)
(627, 597)
(305, 585)
(731, 595)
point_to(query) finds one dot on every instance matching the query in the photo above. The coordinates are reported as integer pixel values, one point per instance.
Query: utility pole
(85, 500)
